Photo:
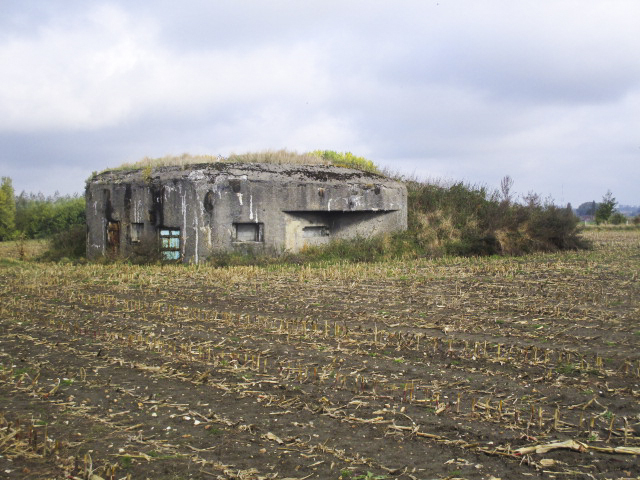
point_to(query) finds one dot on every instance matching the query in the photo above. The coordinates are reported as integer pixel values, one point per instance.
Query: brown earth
(427, 369)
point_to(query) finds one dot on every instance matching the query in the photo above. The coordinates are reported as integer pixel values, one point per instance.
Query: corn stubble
(506, 360)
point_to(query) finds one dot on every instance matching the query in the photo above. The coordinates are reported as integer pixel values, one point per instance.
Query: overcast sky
(546, 91)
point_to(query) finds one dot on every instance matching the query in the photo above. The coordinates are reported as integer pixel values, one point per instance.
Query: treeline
(31, 215)
(38, 216)
(606, 211)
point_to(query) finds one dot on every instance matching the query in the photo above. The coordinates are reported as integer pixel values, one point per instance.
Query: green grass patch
(567, 369)
(126, 462)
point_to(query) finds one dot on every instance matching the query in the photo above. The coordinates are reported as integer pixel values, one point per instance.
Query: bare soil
(453, 368)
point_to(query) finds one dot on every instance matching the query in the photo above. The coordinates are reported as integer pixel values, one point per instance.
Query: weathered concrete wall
(220, 207)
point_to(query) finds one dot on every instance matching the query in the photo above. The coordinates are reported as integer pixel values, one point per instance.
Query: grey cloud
(464, 89)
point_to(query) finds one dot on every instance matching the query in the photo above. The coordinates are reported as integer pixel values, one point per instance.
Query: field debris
(450, 368)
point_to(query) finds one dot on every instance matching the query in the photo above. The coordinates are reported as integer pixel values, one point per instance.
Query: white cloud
(464, 89)
(110, 67)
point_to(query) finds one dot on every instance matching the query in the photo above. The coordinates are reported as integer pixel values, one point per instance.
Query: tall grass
(279, 157)
(462, 219)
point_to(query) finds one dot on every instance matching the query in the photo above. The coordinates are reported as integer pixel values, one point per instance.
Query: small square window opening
(248, 232)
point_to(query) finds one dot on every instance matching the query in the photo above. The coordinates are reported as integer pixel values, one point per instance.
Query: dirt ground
(451, 368)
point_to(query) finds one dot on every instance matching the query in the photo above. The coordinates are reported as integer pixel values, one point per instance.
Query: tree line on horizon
(607, 211)
(30, 215)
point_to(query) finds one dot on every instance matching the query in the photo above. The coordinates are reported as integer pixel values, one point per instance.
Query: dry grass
(25, 250)
(280, 157)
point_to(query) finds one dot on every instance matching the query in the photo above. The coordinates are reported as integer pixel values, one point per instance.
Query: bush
(70, 244)
(450, 219)
(347, 159)
(617, 218)
(553, 228)
(461, 219)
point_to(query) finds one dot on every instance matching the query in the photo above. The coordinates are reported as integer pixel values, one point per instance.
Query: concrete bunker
(189, 213)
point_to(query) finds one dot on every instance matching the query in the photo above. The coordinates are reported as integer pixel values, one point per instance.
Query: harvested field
(453, 368)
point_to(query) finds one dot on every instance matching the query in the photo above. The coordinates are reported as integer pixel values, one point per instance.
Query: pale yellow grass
(280, 157)
(31, 249)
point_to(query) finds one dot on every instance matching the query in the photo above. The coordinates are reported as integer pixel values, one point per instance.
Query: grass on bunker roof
(279, 157)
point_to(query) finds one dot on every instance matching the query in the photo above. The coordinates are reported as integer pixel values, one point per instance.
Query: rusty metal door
(113, 237)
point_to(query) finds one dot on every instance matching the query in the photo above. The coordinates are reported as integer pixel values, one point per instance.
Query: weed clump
(461, 219)
(68, 245)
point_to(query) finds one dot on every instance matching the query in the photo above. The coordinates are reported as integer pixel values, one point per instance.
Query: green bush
(554, 228)
(347, 159)
(70, 244)
(617, 218)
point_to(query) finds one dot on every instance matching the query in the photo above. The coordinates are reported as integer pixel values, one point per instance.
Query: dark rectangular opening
(113, 236)
(316, 231)
(248, 232)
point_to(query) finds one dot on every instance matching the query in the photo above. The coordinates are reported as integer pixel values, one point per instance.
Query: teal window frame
(170, 243)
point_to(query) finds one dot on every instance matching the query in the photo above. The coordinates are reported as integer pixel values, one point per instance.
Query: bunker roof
(253, 171)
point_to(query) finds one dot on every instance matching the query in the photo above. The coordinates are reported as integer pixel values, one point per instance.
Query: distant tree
(587, 209)
(505, 188)
(617, 218)
(7, 209)
(606, 208)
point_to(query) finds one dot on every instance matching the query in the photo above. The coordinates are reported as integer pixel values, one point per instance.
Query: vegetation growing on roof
(347, 160)
(279, 157)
